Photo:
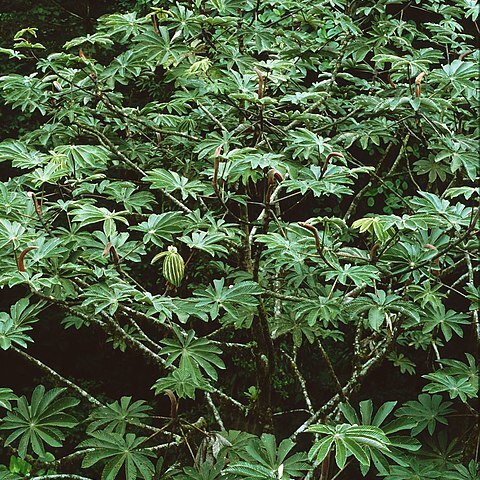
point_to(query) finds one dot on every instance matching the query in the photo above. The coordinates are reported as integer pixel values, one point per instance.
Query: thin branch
(143, 316)
(153, 127)
(301, 380)
(353, 384)
(133, 343)
(262, 214)
(471, 279)
(60, 476)
(69, 384)
(215, 411)
(68, 458)
(148, 341)
(210, 115)
(331, 370)
(80, 391)
(229, 399)
(107, 143)
(293, 410)
(356, 200)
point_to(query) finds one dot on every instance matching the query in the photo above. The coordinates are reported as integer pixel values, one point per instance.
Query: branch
(133, 343)
(260, 217)
(107, 143)
(68, 458)
(301, 380)
(87, 396)
(209, 114)
(147, 340)
(143, 316)
(471, 279)
(60, 476)
(361, 193)
(69, 384)
(215, 411)
(440, 252)
(332, 371)
(229, 399)
(153, 127)
(353, 384)
(107, 326)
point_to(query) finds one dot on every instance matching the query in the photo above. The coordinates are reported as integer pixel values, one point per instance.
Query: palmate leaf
(247, 470)
(456, 386)
(262, 459)
(107, 297)
(123, 26)
(379, 305)
(335, 181)
(11, 232)
(286, 251)
(21, 155)
(238, 301)
(86, 214)
(306, 143)
(206, 471)
(14, 326)
(426, 412)
(10, 332)
(89, 39)
(122, 68)
(40, 422)
(206, 241)
(414, 469)
(84, 159)
(354, 440)
(128, 194)
(158, 48)
(401, 361)
(380, 226)
(117, 415)
(195, 354)
(356, 274)
(183, 382)
(298, 328)
(161, 228)
(118, 451)
(447, 321)
(450, 215)
(172, 181)
(442, 449)
(322, 309)
(397, 443)
(29, 93)
(366, 412)
(460, 369)
(458, 74)
(462, 472)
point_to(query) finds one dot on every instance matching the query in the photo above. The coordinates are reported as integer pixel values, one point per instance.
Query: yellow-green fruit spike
(173, 268)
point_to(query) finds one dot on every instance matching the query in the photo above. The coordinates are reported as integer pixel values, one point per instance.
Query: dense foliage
(267, 201)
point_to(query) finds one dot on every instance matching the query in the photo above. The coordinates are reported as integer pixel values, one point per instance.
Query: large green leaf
(115, 452)
(40, 422)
